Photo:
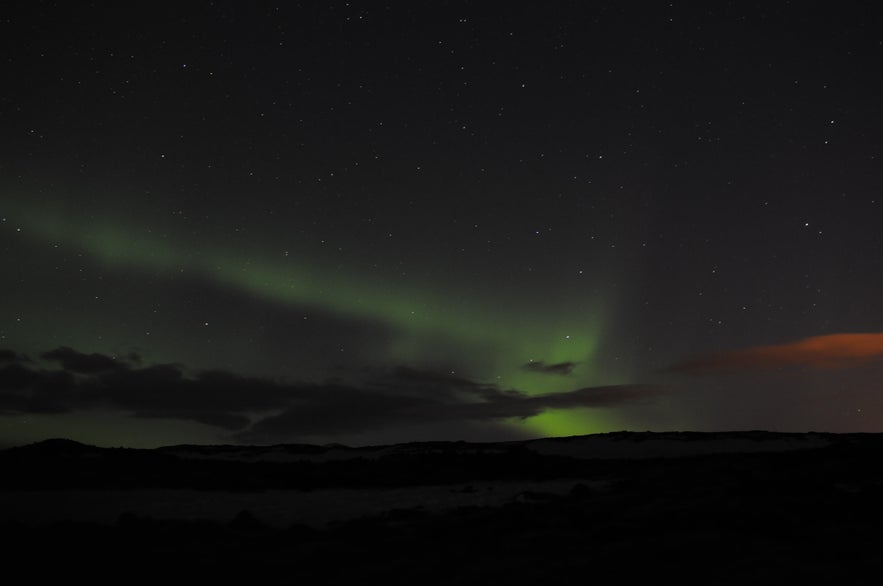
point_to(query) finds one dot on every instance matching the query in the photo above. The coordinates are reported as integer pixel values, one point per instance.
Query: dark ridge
(68, 446)
(758, 435)
(57, 446)
(206, 450)
(64, 464)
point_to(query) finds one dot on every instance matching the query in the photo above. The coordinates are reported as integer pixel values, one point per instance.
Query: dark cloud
(217, 398)
(345, 410)
(405, 374)
(830, 352)
(16, 376)
(561, 368)
(228, 421)
(395, 397)
(334, 410)
(26, 390)
(74, 361)
(12, 357)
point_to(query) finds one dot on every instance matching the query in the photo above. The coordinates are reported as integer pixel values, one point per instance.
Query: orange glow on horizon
(833, 351)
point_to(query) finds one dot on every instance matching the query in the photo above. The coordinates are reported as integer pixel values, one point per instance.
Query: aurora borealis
(365, 223)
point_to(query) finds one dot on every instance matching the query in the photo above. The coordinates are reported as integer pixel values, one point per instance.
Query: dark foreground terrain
(738, 508)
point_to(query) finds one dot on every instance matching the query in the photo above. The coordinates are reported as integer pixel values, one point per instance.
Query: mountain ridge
(750, 439)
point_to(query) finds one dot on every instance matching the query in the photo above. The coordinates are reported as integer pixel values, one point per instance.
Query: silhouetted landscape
(722, 508)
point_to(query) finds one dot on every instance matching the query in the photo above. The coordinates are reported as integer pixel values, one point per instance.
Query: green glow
(286, 282)
(493, 337)
(561, 422)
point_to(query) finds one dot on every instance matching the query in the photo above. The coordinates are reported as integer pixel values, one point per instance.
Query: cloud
(830, 352)
(607, 396)
(561, 368)
(29, 391)
(408, 375)
(15, 376)
(229, 401)
(95, 381)
(78, 362)
(340, 410)
(9, 356)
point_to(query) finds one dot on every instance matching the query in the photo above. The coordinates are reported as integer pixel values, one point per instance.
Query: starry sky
(365, 222)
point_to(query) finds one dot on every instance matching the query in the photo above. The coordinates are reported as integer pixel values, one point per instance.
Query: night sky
(365, 222)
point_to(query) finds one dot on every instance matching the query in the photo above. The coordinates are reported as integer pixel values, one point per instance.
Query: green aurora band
(506, 336)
